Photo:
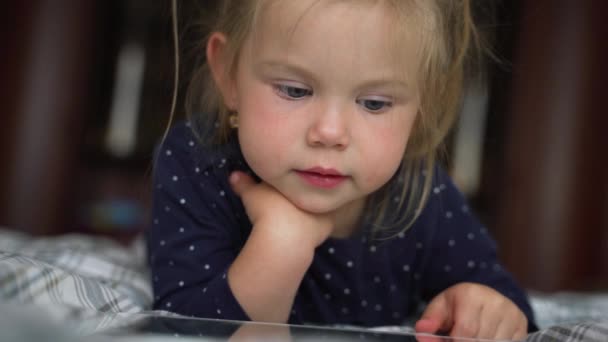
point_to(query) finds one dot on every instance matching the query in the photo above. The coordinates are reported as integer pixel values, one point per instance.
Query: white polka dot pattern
(198, 225)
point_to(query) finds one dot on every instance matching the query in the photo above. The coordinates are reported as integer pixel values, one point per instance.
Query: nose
(330, 128)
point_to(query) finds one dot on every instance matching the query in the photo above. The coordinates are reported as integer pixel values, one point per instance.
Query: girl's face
(325, 101)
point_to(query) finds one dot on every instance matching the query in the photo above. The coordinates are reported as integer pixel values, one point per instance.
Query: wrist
(294, 240)
(269, 255)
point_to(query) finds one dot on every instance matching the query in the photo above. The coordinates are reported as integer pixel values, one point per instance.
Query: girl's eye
(375, 105)
(293, 92)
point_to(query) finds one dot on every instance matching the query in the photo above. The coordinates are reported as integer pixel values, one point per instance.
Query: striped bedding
(74, 278)
(93, 284)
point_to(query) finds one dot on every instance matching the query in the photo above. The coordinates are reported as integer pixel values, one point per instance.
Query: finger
(512, 325)
(436, 317)
(467, 315)
(423, 337)
(521, 333)
(241, 182)
(490, 318)
(505, 330)
(427, 325)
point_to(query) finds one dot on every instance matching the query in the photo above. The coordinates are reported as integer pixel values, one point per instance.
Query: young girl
(318, 200)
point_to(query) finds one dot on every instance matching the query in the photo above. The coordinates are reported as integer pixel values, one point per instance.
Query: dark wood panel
(46, 113)
(551, 216)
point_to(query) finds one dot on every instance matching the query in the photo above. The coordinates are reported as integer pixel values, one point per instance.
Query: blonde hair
(451, 39)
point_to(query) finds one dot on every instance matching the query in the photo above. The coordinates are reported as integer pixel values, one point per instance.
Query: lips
(322, 178)
(323, 172)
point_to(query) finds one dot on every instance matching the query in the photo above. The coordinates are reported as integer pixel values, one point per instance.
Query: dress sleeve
(461, 249)
(195, 231)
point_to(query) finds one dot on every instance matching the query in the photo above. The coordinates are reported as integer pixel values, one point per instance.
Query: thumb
(241, 182)
(437, 316)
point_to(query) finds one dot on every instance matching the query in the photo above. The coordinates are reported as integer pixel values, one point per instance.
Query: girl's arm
(197, 227)
(206, 259)
(270, 267)
(468, 288)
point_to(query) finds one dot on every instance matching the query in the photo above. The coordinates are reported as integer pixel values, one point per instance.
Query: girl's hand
(473, 310)
(269, 209)
(266, 274)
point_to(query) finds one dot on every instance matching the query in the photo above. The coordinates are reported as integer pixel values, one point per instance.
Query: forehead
(355, 27)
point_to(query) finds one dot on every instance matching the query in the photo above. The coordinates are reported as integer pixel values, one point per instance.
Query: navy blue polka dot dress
(199, 226)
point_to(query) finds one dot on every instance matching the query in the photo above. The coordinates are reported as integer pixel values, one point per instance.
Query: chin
(314, 206)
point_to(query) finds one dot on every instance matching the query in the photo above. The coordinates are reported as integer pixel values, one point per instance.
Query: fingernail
(234, 177)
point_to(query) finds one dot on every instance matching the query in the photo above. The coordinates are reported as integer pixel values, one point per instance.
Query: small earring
(233, 120)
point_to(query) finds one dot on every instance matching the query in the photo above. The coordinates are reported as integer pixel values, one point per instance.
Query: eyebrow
(292, 68)
(296, 69)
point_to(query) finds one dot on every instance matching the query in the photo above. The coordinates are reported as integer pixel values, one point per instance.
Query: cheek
(263, 137)
(259, 113)
(383, 164)
(384, 155)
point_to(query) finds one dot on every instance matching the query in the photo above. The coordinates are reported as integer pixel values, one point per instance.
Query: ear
(216, 48)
